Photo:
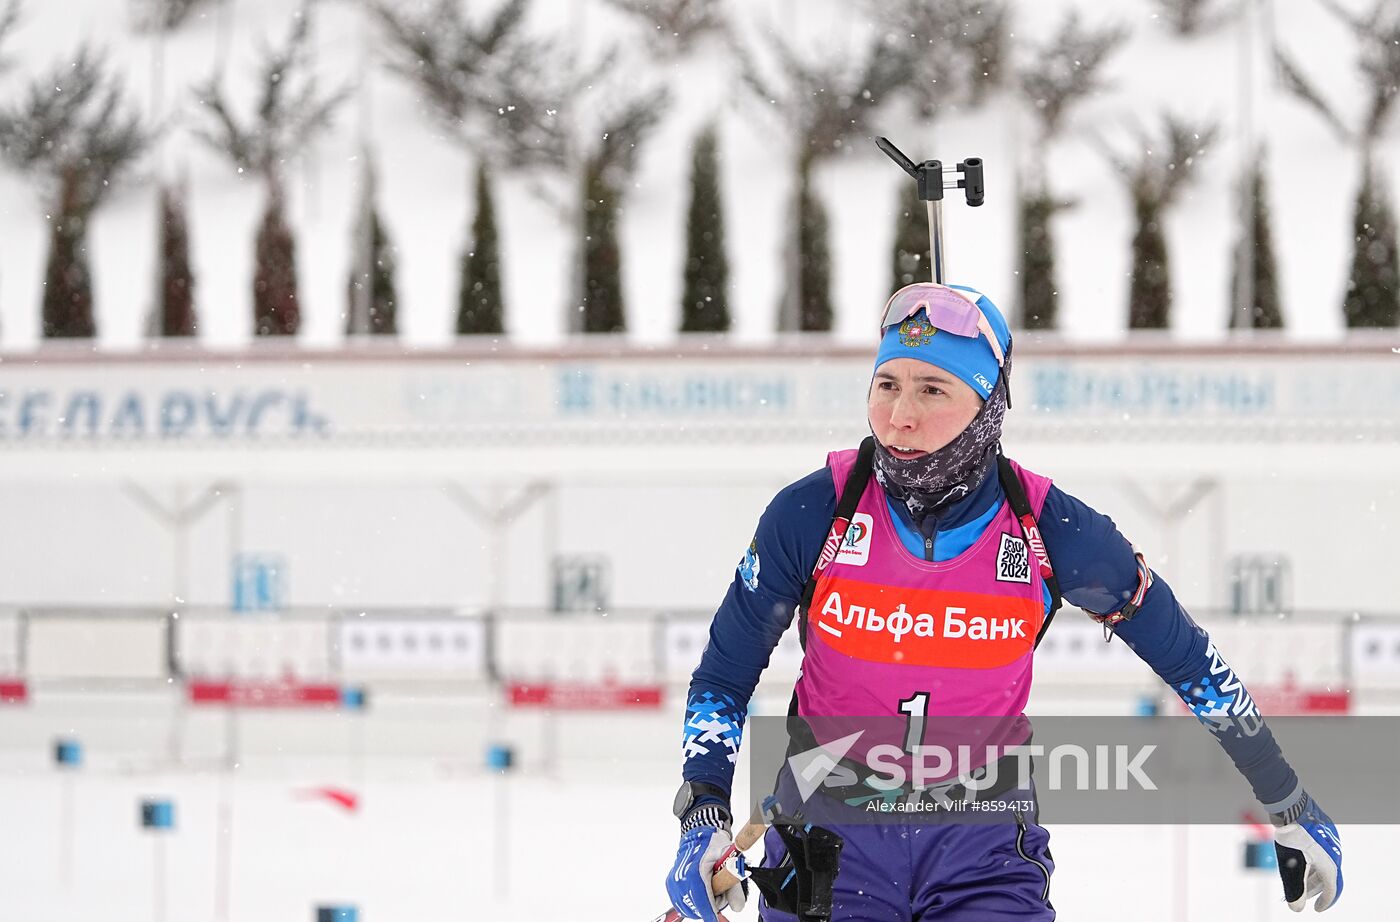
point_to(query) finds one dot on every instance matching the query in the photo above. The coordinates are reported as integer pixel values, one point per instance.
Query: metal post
(928, 177)
(935, 240)
(67, 833)
(223, 847)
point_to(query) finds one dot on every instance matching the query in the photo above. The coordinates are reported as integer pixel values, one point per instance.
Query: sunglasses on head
(948, 309)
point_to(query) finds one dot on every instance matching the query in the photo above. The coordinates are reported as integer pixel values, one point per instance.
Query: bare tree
(9, 18)
(440, 51)
(76, 133)
(1067, 69)
(1373, 290)
(485, 83)
(676, 25)
(824, 100)
(1189, 18)
(954, 51)
(537, 118)
(164, 15)
(1155, 179)
(292, 109)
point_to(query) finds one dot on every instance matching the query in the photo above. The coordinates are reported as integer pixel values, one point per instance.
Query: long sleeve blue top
(1097, 572)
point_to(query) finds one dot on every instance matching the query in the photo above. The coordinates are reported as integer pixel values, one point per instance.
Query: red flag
(349, 800)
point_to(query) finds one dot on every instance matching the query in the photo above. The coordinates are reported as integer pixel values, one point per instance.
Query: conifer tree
(371, 299)
(276, 309)
(1254, 296)
(1150, 288)
(814, 273)
(175, 312)
(603, 310)
(911, 260)
(1039, 296)
(67, 310)
(1373, 292)
(705, 299)
(480, 307)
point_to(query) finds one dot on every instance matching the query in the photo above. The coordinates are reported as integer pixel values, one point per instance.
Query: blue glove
(688, 884)
(1309, 855)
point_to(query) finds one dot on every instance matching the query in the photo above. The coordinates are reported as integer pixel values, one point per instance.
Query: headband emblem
(916, 332)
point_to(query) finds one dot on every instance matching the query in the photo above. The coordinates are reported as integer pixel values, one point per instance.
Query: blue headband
(969, 360)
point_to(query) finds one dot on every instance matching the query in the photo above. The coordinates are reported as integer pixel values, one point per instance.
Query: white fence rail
(1337, 650)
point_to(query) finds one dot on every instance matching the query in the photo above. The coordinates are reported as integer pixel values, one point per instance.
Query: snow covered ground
(586, 846)
(588, 838)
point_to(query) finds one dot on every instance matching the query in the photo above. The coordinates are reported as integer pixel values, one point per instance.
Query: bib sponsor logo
(855, 548)
(924, 627)
(1013, 562)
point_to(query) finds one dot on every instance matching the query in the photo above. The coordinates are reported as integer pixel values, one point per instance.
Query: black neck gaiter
(932, 482)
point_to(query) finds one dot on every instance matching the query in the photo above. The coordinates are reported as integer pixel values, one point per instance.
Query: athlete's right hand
(1309, 857)
(688, 884)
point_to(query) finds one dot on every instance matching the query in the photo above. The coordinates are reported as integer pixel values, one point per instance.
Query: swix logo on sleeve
(925, 627)
(855, 547)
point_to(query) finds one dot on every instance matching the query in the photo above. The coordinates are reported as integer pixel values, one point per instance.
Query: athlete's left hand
(1309, 858)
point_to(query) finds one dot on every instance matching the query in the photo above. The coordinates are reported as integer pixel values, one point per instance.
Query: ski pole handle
(723, 877)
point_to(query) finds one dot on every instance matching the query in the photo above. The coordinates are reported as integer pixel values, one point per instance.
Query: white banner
(445, 399)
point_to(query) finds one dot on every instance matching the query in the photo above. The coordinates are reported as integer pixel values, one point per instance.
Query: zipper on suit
(1021, 850)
